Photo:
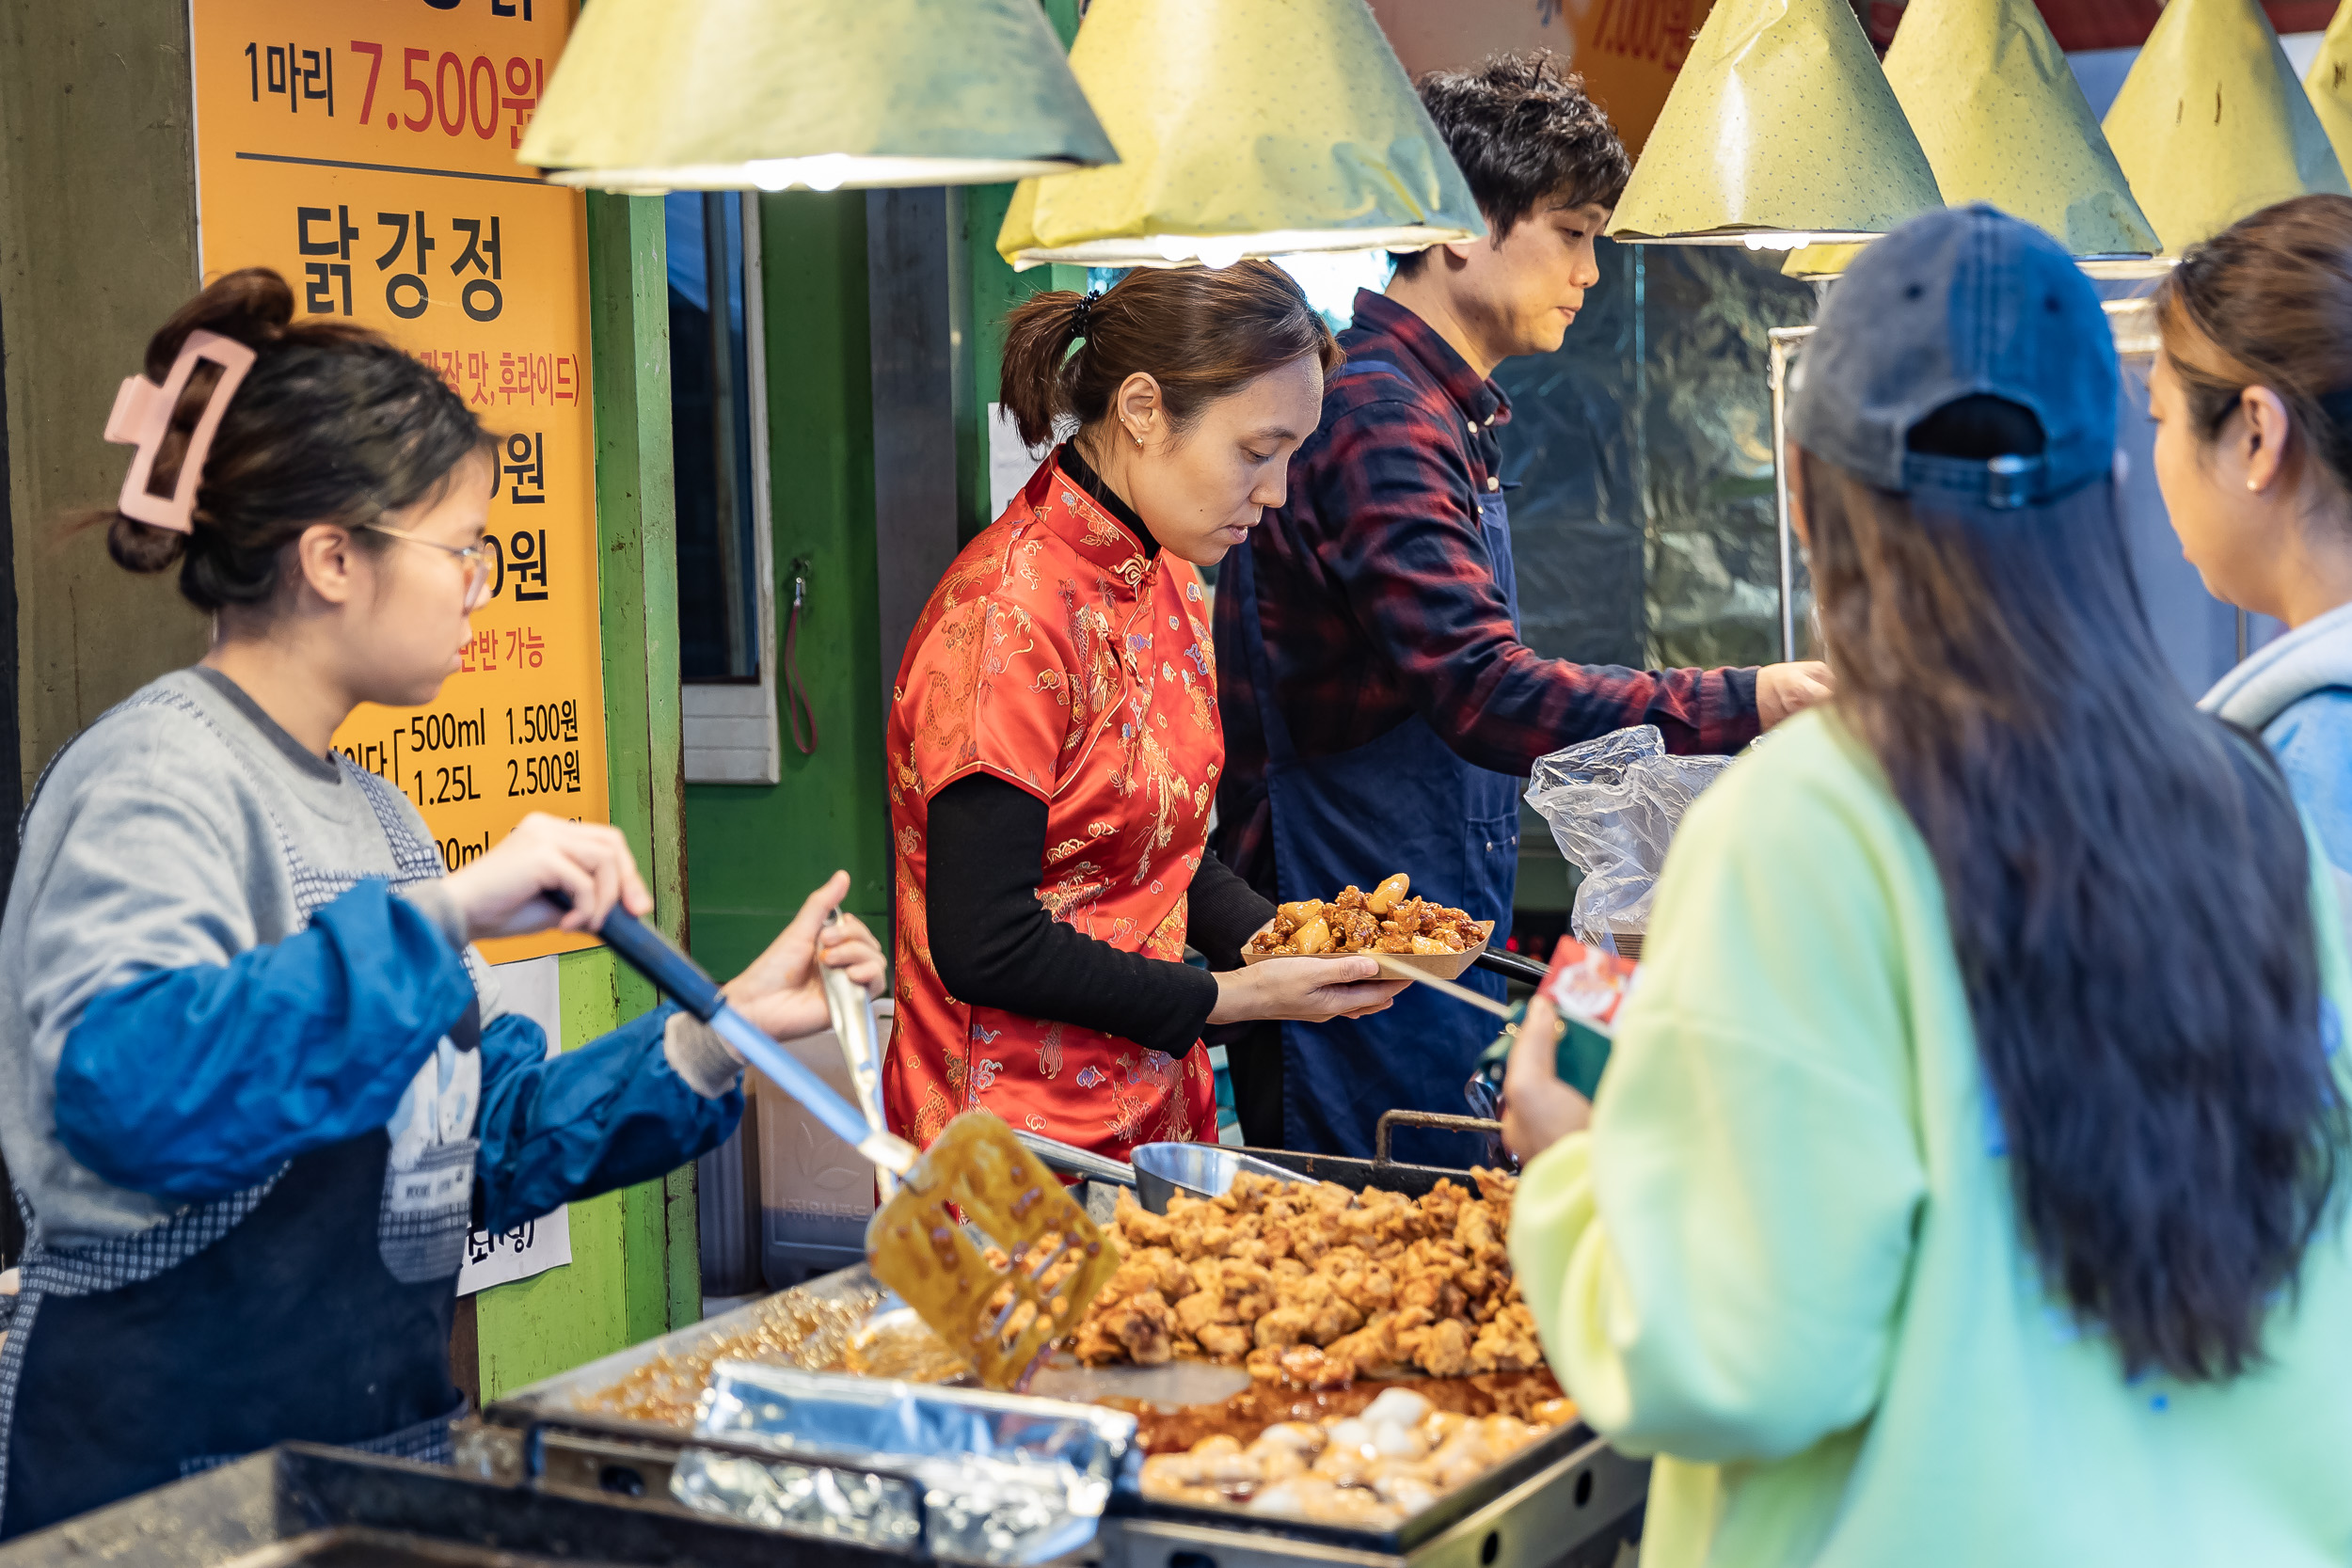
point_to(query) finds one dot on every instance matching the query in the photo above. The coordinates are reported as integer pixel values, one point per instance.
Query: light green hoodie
(1786, 1259)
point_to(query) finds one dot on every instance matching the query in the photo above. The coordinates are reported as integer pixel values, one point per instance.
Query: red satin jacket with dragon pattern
(1056, 656)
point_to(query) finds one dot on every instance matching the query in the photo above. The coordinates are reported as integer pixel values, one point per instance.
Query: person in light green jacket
(1967, 1184)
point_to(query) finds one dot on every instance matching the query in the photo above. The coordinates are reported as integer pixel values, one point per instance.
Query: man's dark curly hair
(1524, 132)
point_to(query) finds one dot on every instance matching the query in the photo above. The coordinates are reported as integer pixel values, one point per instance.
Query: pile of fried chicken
(1369, 1471)
(1316, 1285)
(1382, 921)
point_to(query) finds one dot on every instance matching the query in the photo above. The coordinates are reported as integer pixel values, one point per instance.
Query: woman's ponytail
(1200, 333)
(1039, 335)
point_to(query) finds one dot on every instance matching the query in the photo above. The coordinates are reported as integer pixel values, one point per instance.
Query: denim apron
(1402, 801)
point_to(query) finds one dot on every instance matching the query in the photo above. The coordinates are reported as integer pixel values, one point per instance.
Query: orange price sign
(367, 152)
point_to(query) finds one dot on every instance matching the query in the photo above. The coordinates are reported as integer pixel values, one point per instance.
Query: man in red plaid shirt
(1380, 710)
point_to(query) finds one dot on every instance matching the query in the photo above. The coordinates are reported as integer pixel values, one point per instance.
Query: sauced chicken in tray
(1384, 920)
(1317, 1285)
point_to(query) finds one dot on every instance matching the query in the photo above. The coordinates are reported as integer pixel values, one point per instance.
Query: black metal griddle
(1564, 1501)
(1567, 1501)
(316, 1507)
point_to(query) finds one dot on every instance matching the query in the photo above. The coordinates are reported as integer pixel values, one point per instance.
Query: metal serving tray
(1565, 1500)
(331, 1508)
(543, 1436)
(1380, 1170)
(1569, 1501)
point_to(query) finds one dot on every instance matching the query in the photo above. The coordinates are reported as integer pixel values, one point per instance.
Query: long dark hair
(1201, 332)
(2127, 884)
(334, 423)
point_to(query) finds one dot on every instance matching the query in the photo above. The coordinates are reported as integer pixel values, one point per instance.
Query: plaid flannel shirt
(1377, 601)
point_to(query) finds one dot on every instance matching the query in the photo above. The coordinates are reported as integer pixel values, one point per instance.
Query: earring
(2251, 485)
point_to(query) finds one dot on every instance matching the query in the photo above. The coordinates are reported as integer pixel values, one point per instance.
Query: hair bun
(251, 306)
(138, 546)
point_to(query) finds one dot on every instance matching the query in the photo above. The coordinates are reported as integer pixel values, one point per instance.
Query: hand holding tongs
(974, 1177)
(698, 993)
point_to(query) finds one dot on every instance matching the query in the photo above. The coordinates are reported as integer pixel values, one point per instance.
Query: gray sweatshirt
(184, 828)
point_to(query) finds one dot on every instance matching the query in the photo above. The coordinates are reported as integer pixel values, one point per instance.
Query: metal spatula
(1002, 1320)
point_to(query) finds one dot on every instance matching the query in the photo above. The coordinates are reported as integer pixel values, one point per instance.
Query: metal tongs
(1396, 971)
(853, 1025)
(974, 1177)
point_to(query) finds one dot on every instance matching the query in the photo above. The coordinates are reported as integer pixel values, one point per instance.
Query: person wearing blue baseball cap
(1963, 1187)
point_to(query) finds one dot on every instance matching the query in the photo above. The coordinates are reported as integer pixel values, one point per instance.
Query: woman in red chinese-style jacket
(1054, 742)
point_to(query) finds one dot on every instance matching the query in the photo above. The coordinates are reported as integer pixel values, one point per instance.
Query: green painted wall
(757, 850)
(635, 1271)
(615, 1293)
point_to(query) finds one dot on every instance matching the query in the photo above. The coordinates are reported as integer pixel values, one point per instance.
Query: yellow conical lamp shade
(2212, 125)
(2329, 84)
(1244, 127)
(1781, 130)
(1998, 113)
(737, 94)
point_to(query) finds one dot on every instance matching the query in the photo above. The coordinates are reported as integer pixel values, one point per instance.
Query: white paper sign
(529, 987)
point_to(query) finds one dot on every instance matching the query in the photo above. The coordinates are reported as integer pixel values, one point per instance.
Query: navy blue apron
(1402, 801)
(290, 1326)
(315, 1306)
(322, 1314)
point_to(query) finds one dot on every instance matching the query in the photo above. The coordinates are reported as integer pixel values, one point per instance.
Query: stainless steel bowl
(1201, 1170)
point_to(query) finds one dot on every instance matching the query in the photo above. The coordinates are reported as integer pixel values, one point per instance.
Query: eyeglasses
(474, 558)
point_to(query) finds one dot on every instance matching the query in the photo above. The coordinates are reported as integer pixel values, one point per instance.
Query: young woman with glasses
(255, 1083)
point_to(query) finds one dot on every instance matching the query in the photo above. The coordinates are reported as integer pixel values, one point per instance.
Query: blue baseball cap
(1962, 303)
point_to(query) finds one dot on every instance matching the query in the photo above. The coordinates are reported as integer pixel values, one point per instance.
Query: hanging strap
(796, 705)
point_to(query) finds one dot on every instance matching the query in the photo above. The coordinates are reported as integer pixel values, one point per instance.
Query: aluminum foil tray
(966, 1474)
(313, 1506)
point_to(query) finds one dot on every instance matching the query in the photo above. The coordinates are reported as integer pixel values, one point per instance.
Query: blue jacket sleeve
(612, 1113)
(2313, 739)
(192, 1084)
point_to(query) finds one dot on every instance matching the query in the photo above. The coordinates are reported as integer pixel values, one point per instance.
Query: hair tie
(142, 413)
(1084, 312)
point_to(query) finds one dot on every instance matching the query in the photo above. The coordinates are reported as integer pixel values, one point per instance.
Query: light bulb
(825, 171)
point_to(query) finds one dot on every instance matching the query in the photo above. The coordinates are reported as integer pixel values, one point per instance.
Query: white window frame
(730, 726)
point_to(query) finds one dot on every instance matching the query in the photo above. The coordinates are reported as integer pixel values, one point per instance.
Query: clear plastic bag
(1613, 805)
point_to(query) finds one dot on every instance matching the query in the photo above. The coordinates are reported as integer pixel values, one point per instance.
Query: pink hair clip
(142, 413)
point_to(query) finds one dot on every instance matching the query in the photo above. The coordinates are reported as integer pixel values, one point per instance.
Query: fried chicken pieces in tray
(1384, 920)
(1316, 1285)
